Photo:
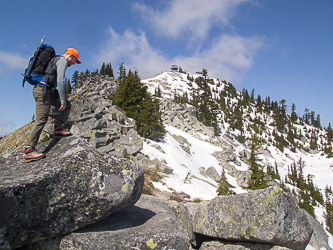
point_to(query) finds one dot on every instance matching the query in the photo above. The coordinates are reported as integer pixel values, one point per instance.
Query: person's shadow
(51, 144)
(128, 218)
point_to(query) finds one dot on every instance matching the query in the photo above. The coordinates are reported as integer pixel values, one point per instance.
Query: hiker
(46, 95)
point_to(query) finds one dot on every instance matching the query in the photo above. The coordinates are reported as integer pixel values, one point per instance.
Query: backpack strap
(51, 71)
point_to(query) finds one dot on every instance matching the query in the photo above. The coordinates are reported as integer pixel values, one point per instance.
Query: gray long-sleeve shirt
(61, 70)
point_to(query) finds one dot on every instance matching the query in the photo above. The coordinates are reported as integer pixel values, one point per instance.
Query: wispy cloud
(6, 127)
(227, 56)
(12, 61)
(135, 50)
(192, 17)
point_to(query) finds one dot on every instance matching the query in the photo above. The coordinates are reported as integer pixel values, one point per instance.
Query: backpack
(35, 72)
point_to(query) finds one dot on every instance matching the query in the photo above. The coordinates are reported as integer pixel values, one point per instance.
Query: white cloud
(134, 50)
(12, 61)
(6, 127)
(228, 56)
(194, 17)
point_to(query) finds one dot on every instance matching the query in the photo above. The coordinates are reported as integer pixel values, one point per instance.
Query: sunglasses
(74, 57)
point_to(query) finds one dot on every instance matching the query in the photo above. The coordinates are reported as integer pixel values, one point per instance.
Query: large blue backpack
(35, 72)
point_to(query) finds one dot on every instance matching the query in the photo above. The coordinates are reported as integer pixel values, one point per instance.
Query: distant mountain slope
(186, 167)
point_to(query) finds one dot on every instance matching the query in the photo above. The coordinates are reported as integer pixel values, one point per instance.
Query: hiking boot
(60, 132)
(32, 155)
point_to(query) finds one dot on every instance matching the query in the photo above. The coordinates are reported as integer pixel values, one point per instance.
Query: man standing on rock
(47, 95)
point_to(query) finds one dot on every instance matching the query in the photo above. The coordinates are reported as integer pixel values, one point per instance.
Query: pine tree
(318, 122)
(102, 70)
(224, 187)
(329, 133)
(252, 96)
(306, 116)
(158, 92)
(246, 97)
(134, 98)
(206, 108)
(273, 172)
(305, 202)
(257, 180)
(109, 70)
(69, 87)
(329, 209)
(293, 113)
(122, 72)
(75, 79)
(259, 104)
(307, 194)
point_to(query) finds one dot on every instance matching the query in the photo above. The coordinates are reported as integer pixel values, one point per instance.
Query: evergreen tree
(69, 87)
(158, 92)
(318, 122)
(134, 98)
(329, 209)
(293, 113)
(305, 202)
(273, 172)
(308, 194)
(102, 70)
(122, 72)
(259, 104)
(224, 186)
(246, 97)
(206, 108)
(329, 133)
(306, 116)
(75, 79)
(109, 70)
(257, 180)
(252, 96)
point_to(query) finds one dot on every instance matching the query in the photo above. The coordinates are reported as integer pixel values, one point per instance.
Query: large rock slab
(319, 239)
(75, 185)
(215, 245)
(264, 216)
(150, 224)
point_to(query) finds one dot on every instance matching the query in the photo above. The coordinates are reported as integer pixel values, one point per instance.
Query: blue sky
(279, 48)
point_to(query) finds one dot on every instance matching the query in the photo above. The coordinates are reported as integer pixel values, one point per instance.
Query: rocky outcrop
(97, 119)
(216, 245)
(74, 186)
(263, 216)
(182, 117)
(227, 156)
(319, 238)
(262, 220)
(150, 224)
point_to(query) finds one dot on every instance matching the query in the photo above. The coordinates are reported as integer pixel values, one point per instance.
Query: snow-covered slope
(187, 167)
